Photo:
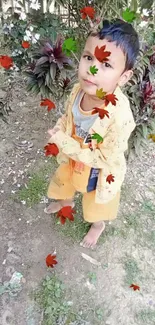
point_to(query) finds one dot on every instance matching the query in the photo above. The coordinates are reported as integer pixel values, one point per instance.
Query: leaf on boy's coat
(93, 69)
(100, 53)
(47, 102)
(51, 149)
(110, 178)
(135, 287)
(88, 11)
(110, 98)
(69, 45)
(129, 15)
(100, 93)
(66, 213)
(102, 112)
(151, 136)
(97, 137)
(50, 260)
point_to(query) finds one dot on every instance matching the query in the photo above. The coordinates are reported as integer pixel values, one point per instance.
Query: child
(96, 168)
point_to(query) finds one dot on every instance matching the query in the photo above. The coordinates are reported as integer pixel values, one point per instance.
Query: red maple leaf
(6, 62)
(88, 11)
(110, 178)
(102, 112)
(66, 213)
(50, 260)
(51, 149)
(135, 287)
(25, 44)
(100, 53)
(110, 98)
(47, 102)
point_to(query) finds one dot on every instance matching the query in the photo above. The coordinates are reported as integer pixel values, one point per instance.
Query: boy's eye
(107, 65)
(89, 58)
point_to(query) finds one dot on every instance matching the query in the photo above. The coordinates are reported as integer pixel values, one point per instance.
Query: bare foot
(93, 235)
(56, 206)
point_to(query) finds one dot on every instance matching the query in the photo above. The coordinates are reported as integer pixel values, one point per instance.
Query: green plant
(141, 93)
(51, 298)
(146, 316)
(132, 270)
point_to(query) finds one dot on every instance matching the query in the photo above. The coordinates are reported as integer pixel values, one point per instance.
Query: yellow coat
(109, 157)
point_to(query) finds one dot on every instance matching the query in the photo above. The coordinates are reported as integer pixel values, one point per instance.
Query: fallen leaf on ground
(100, 53)
(50, 260)
(51, 149)
(47, 102)
(135, 287)
(66, 213)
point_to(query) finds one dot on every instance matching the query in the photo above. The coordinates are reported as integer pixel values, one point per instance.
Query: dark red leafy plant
(66, 213)
(49, 68)
(51, 149)
(50, 260)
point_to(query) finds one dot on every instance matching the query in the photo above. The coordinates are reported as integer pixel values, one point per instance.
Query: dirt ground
(97, 291)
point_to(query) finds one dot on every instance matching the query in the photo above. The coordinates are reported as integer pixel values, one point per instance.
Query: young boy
(96, 168)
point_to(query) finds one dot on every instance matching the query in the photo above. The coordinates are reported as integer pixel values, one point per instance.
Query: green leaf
(93, 69)
(129, 15)
(69, 46)
(97, 137)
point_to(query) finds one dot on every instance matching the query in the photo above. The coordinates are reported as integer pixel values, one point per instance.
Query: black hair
(124, 35)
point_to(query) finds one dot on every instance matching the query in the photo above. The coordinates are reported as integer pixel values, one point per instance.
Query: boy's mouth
(89, 82)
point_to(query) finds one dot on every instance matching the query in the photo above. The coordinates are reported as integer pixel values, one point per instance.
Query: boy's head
(122, 41)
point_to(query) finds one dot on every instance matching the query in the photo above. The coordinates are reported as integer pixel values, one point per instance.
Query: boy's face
(109, 74)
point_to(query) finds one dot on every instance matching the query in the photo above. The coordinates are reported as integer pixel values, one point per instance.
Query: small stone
(10, 249)
(19, 219)
(4, 262)
(27, 221)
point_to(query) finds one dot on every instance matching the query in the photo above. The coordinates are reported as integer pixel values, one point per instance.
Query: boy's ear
(125, 77)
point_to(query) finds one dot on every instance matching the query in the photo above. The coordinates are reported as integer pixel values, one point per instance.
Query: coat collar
(99, 124)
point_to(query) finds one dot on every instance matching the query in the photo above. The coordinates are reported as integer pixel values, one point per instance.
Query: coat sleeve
(106, 155)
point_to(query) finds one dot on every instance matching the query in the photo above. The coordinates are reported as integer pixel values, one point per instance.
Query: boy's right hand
(53, 131)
